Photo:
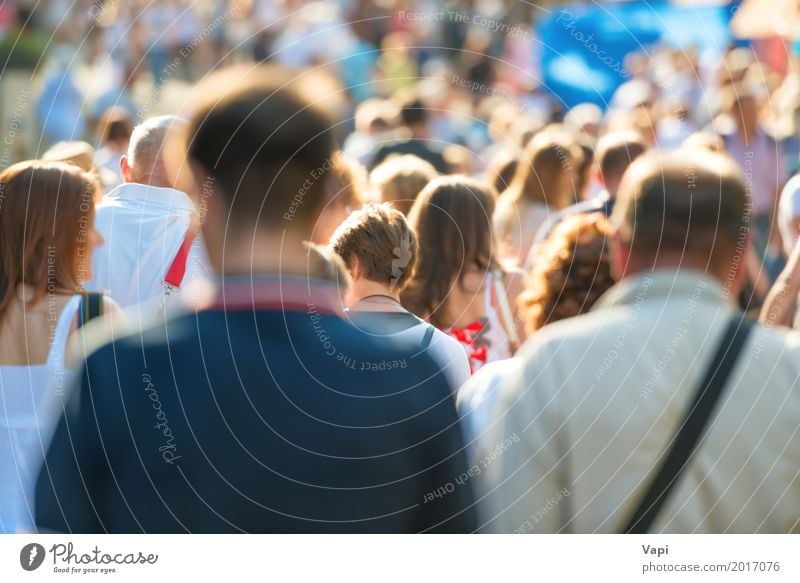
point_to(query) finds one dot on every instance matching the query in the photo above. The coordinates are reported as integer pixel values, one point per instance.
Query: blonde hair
(400, 179)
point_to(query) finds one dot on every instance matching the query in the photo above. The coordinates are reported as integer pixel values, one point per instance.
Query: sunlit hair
(348, 180)
(46, 217)
(377, 238)
(705, 141)
(501, 169)
(570, 272)
(400, 179)
(538, 176)
(452, 218)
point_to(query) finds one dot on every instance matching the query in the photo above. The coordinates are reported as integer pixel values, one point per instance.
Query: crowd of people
(365, 297)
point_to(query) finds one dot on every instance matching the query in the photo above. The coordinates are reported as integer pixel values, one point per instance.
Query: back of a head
(36, 196)
(115, 126)
(399, 179)
(76, 153)
(378, 238)
(687, 207)
(146, 149)
(413, 111)
(452, 218)
(615, 152)
(570, 273)
(257, 133)
(547, 159)
(325, 265)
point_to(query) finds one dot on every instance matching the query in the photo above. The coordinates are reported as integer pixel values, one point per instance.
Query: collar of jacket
(145, 194)
(663, 285)
(285, 293)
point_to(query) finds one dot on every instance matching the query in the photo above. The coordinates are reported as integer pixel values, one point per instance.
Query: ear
(354, 268)
(619, 256)
(125, 169)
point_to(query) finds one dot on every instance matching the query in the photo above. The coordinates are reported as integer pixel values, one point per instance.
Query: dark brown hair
(570, 272)
(453, 221)
(616, 151)
(115, 125)
(46, 214)
(257, 134)
(501, 169)
(380, 239)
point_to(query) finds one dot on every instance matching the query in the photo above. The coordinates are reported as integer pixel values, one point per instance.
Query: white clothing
(30, 397)
(144, 227)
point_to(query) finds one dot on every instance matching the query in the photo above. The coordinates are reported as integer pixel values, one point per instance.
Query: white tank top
(30, 399)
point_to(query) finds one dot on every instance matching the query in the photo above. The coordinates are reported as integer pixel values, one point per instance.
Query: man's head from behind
(144, 162)
(615, 152)
(264, 149)
(687, 209)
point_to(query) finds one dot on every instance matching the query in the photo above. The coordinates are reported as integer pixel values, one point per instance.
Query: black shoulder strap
(426, 340)
(91, 307)
(693, 426)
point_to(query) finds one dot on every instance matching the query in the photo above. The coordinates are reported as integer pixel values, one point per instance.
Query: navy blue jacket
(266, 416)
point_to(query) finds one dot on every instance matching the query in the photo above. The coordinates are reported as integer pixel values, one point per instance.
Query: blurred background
(483, 68)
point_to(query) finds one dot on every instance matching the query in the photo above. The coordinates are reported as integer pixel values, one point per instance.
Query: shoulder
(560, 345)
(445, 342)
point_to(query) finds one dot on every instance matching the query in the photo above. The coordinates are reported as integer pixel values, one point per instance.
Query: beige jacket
(583, 421)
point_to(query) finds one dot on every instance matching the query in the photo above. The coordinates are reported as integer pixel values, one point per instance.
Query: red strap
(177, 270)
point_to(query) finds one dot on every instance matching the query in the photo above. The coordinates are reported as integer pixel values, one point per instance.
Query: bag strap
(177, 269)
(91, 307)
(693, 426)
(426, 339)
(507, 318)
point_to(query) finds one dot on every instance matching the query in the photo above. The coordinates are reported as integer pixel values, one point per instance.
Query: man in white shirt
(145, 223)
(587, 418)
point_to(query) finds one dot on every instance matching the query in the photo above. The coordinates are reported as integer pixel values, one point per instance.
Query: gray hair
(147, 145)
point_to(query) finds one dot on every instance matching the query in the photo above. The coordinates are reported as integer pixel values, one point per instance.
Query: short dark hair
(616, 151)
(686, 202)
(267, 147)
(382, 242)
(412, 111)
(115, 125)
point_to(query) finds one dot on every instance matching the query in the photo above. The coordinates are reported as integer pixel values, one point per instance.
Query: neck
(747, 131)
(261, 255)
(155, 181)
(363, 288)
(732, 281)
(419, 132)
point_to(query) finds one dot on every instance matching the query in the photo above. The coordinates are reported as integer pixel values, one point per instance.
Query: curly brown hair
(570, 272)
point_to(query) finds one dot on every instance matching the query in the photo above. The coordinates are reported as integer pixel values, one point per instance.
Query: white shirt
(144, 227)
(516, 225)
(30, 401)
(581, 425)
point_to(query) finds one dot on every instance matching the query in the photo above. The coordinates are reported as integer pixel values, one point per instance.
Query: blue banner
(584, 45)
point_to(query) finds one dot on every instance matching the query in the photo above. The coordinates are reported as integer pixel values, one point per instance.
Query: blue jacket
(266, 415)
